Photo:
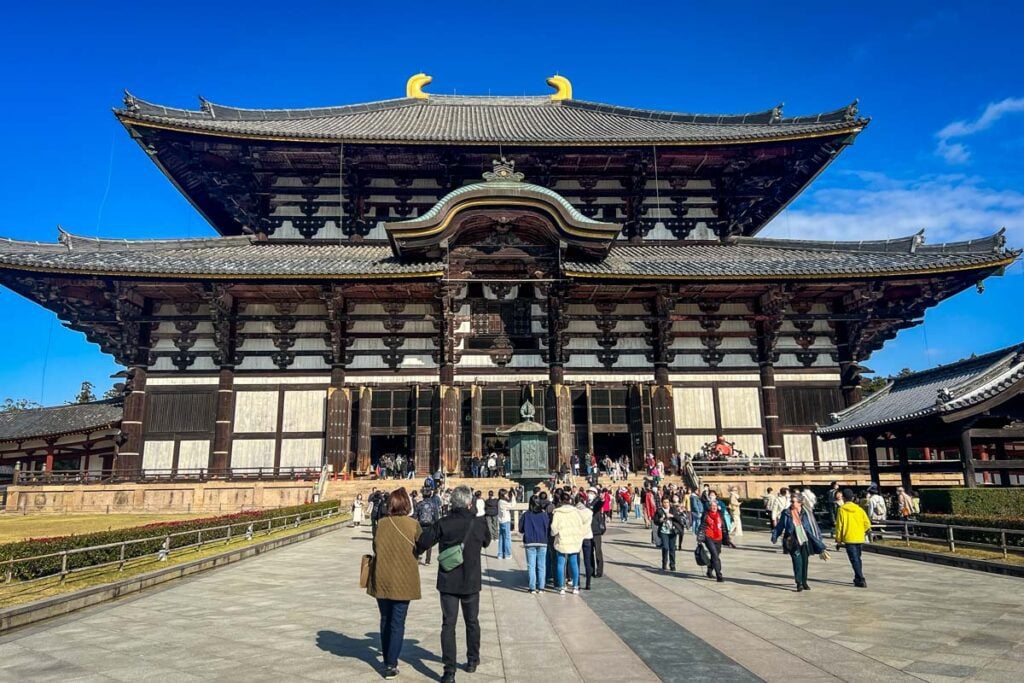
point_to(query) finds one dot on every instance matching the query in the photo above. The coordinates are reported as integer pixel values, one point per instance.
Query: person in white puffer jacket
(568, 532)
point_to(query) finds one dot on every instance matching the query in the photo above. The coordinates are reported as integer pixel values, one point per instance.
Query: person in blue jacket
(535, 526)
(801, 538)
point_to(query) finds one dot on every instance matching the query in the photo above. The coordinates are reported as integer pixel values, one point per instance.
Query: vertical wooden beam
(559, 395)
(967, 458)
(220, 455)
(476, 437)
(770, 411)
(904, 458)
(872, 448)
(48, 464)
(1004, 474)
(663, 415)
(363, 449)
(589, 389)
(560, 399)
(338, 431)
(451, 419)
(128, 462)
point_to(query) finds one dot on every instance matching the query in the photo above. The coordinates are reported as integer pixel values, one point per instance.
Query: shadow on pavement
(368, 650)
(516, 579)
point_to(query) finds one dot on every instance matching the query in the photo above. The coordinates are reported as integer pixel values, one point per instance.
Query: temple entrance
(387, 447)
(611, 444)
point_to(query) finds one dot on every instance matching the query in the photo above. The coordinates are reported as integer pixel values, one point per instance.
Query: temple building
(397, 276)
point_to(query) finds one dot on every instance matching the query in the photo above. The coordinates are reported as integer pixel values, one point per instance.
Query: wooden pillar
(476, 437)
(363, 464)
(1004, 474)
(770, 407)
(872, 448)
(48, 464)
(589, 390)
(904, 459)
(559, 399)
(128, 462)
(338, 431)
(450, 423)
(220, 455)
(967, 458)
(663, 415)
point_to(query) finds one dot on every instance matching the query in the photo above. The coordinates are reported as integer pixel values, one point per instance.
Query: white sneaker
(576, 591)
(561, 591)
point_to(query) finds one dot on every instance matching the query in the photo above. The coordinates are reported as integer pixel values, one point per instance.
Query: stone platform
(297, 614)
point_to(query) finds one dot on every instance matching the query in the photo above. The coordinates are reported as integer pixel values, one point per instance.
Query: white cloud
(949, 207)
(957, 152)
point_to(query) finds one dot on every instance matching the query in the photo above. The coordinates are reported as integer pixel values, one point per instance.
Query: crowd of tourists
(562, 530)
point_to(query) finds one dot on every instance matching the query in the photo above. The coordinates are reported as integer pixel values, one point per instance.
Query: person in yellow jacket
(852, 527)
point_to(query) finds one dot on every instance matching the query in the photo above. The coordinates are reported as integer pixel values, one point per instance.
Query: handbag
(452, 557)
(789, 542)
(366, 567)
(702, 556)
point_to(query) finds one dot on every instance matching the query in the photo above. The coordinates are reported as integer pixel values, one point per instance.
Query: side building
(395, 277)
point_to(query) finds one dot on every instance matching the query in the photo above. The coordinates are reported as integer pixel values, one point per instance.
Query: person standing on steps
(460, 538)
(801, 538)
(396, 576)
(852, 528)
(713, 532)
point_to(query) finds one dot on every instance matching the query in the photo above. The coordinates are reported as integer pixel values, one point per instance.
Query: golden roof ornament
(562, 86)
(414, 86)
(503, 170)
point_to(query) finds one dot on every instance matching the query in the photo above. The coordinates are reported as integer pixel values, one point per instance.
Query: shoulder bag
(452, 557)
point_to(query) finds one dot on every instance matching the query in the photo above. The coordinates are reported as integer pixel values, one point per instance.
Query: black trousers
(450, 617)
(715, 550)
(598, 556)
(588, 559)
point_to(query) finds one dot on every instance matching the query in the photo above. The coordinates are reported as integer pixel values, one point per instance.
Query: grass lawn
(1014, 557)
(18, 593)
(22, 527)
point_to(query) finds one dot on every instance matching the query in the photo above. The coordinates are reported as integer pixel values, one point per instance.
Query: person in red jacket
(649, 507)
(714, 533)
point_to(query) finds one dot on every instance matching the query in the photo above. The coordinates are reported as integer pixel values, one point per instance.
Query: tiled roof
(742, 258)
(460, 119)
(942, 390)
(79, 417)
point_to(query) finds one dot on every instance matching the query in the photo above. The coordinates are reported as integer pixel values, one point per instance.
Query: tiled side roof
(743, 258)
(941, 390)
(509, 120)
(79, 417)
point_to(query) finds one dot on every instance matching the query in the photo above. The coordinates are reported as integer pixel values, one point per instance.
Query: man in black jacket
(598, 525)
(461, 585)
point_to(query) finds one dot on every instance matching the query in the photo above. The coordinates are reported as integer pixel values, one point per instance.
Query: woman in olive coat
(396, 575)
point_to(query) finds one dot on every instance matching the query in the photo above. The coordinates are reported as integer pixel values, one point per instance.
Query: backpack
(426, 512)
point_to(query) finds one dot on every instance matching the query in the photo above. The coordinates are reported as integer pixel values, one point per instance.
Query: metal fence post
(228, 540)
(1002, 542)
(63, 565)
(199, 538)
(906, 534)
(949, 538)
(120, 567)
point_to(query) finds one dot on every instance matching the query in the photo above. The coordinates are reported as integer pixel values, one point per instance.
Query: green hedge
(986, 502)
(992, 538)
(238, 522)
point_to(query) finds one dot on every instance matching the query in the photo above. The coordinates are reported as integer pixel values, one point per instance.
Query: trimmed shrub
(991, 538)
(238, 523)
(985, 502)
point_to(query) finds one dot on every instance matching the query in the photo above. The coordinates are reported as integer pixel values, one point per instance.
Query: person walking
(832, 500)
(696, 511)
(504, 525)
(396, 576)
(664, 522)
(852, 528)
(428, 511)
(357, 510)
(801, 538)
(458, 582)
(778, 505)
(491, 513)
(878, 511)
(713, 532)
(650, 507)
(736, 529)
(567, 531)
(535, 526)
(638, 503)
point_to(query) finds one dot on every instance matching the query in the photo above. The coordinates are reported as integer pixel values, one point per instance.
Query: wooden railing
(311, 474)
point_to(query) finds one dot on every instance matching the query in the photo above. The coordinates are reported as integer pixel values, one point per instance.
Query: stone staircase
(346, 491)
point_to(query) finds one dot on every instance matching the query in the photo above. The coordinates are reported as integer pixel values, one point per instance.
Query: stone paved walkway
(297, 614)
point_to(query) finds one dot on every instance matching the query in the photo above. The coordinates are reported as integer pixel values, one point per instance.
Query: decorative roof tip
(503, 170)
(414, 86)
(130, 103)
(852, 110)
(206, 106)
(562, 86)
(776, 115)
(916, 241)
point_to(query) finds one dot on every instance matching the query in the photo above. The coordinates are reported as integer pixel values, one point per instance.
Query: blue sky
(942, 82)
